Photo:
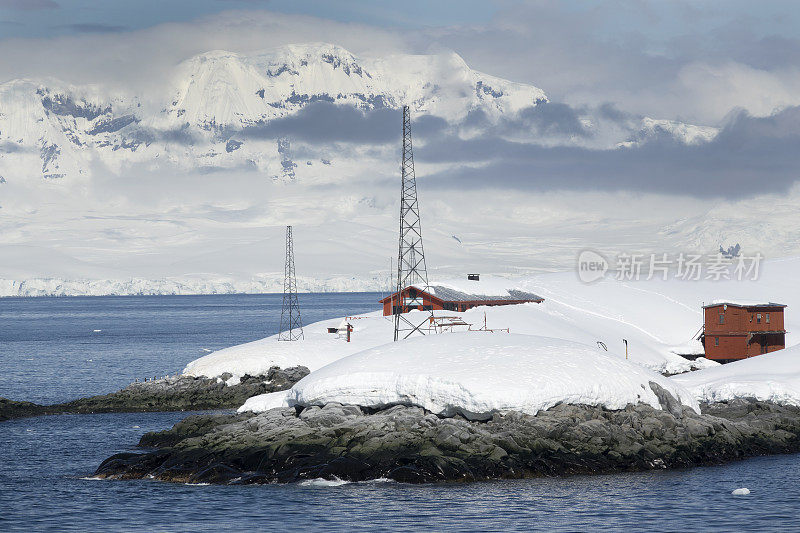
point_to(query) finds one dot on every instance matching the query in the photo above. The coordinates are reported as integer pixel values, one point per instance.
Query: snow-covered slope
(773, 377)
(659, 319)
(476, 375)
(317, 349)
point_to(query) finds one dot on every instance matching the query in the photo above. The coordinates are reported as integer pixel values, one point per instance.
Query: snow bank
(315, 351)
(265, 402)
(477, 374)
(773, 377)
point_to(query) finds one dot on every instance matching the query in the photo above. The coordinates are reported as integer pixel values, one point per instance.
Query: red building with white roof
(456, 296)
(734, 331)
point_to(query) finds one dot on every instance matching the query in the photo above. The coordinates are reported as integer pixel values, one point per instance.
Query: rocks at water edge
(409, 444)
(182, 393)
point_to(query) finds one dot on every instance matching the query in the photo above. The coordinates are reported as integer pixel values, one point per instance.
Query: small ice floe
(321, 482)
(744, 491)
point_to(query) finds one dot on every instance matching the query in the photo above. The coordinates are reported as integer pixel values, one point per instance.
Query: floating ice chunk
(321, 482)
(744, 491)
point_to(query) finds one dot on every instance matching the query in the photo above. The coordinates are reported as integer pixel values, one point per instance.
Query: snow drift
(476, 375)
(316, 350)
(773, 377)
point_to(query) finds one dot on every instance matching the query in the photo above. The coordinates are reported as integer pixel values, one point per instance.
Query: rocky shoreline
(182, 393)
(408, 444)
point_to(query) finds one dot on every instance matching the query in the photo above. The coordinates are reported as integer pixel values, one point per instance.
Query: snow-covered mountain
(210, 113)
(186, 186)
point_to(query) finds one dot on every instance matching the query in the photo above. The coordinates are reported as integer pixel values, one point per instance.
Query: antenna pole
(291, 324)
(412, 272)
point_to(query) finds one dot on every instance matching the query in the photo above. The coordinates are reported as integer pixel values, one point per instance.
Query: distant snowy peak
(222, 89)
(651, 128)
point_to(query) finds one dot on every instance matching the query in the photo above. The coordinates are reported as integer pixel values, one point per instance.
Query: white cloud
(141, 59)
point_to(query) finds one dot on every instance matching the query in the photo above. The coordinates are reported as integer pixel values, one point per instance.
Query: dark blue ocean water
(50, 350)
(45, 348)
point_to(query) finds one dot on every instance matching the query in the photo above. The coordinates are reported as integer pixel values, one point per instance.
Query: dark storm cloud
(545, 119)
(93, 27)
(327, 122)
(9, 147)
(750, 156)
(28, 5)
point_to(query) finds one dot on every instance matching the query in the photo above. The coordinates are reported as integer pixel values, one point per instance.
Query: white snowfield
(477, 375)
(659, 319)
(656, 327)
(316, 350)
(773, 377)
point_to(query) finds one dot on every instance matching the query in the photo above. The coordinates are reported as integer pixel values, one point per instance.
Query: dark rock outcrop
(182, 393)
(411, 445)
(11, 409)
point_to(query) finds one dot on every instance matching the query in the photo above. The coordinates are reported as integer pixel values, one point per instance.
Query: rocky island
(177, 393)
(429, 410)
(410, 444)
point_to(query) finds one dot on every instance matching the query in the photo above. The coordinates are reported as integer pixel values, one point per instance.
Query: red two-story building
(734, 331)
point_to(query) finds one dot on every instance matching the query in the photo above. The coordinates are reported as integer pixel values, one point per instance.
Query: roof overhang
(745, 306)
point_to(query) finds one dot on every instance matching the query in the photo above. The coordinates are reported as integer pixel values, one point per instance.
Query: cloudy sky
(692, 61)
(732, 65)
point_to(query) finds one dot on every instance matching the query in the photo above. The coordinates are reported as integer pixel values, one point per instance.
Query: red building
(439, 297)
(735, 331)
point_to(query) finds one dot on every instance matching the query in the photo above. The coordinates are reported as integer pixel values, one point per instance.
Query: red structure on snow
(439, 297)
(734, 331)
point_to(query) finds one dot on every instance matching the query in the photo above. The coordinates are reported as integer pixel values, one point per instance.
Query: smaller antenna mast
(291, 324)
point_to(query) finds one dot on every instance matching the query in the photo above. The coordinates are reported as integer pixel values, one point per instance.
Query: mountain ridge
(200, 117)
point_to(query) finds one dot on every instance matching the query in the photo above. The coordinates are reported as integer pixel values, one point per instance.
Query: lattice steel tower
(411, 268)
(291, 325)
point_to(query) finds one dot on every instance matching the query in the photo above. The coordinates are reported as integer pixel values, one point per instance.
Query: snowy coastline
(183, 286)
(477, 376)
